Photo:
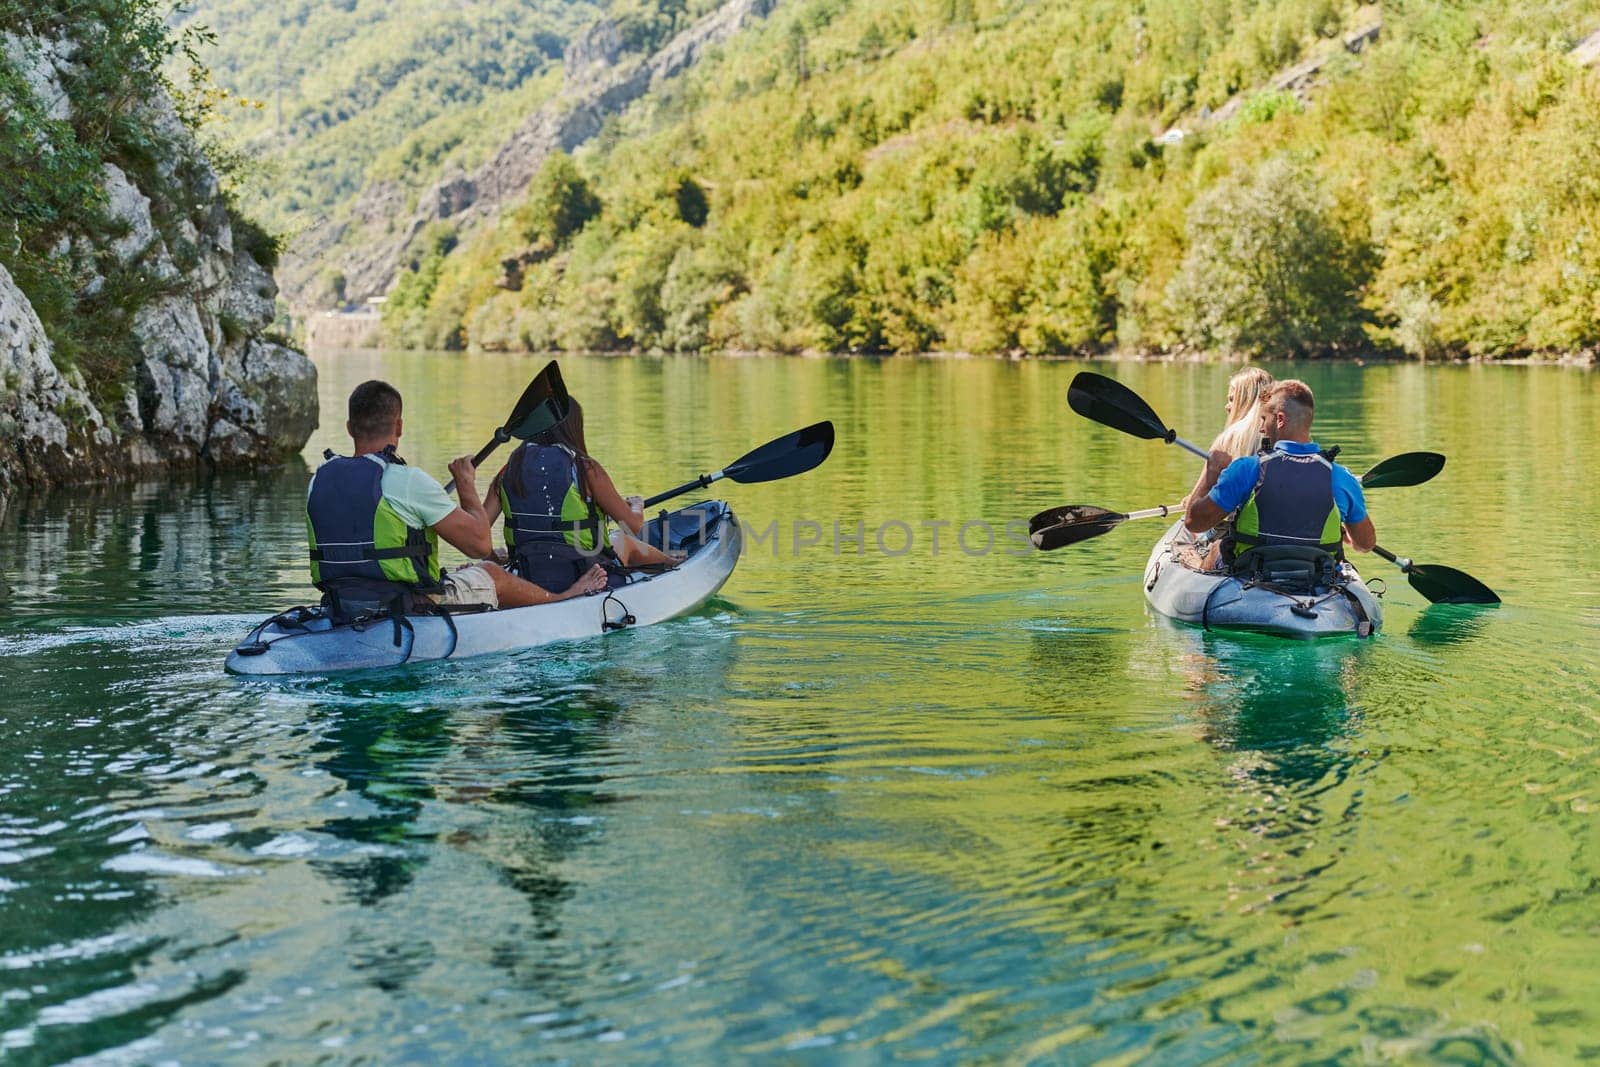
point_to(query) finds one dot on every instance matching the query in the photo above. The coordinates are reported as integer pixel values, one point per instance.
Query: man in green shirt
(375, 523)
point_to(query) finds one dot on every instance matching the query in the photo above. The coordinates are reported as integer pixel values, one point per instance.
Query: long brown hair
(569, 431)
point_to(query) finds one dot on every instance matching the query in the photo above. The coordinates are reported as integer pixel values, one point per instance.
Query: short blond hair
(1292, 397)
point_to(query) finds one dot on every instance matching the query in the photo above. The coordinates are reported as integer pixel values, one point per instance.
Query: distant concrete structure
(345, 329)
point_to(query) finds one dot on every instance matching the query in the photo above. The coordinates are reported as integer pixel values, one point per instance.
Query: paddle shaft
(1071, 531)
(500, 438)
(1411, 468)
(1399, 561)
(1153, 513)
(782, 457)
(1441, 584)
(687, 487)
(1196, 449)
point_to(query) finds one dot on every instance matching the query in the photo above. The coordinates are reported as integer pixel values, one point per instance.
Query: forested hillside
(971, 175)
(347, 112)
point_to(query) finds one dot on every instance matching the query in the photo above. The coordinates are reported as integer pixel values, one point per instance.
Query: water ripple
(861, 809)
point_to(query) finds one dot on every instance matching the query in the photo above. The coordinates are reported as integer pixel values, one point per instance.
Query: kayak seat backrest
(686, 529)
(345, 599)
(1295, 568)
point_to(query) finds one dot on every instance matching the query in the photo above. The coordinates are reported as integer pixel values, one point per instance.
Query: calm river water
(904, 804)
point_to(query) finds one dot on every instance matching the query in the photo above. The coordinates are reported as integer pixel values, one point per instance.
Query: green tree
(1268, 270)
(694, 207)
(645, 24)
(406, 319)
(798, 62)
(560, 203)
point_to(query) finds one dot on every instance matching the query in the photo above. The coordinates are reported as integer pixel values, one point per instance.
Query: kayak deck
(1223, 602)
(306, 640)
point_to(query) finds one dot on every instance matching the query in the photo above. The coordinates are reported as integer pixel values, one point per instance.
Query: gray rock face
(47, 422)
(205, 383)
(174, 377)
(128, 206)
(598, 86)
(252, 294)
(455, 196)
(597, 47)
(268, 395)
(42, 63)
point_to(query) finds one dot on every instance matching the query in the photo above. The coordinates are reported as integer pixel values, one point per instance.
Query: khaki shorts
(466, 586)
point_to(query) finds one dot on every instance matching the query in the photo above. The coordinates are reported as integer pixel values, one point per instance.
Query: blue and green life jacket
(541, 497)
(1292, 504)
(360, 545)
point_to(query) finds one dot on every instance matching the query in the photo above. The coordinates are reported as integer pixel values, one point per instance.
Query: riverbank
(329, 336)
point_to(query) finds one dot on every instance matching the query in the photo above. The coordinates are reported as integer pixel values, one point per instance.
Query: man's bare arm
(467, 527)
(1362, 535)
(469, 533)
(1203, 515)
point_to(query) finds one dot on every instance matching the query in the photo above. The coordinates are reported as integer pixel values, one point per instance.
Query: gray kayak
(307, 641)
(1222, 602)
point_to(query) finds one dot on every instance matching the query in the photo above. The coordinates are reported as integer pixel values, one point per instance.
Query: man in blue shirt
(1290, 495)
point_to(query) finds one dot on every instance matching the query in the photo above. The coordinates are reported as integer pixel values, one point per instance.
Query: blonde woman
(1242, 435)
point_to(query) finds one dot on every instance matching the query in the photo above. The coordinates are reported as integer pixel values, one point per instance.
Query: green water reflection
(974, 806)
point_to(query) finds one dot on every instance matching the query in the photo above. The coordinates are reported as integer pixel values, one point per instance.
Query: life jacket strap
(366, 554)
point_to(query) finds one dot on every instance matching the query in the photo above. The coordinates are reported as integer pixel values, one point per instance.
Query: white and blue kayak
(307, 641)
(1343, 607)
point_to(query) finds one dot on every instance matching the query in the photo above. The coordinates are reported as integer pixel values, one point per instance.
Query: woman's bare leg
(517, 592)
(635, 553)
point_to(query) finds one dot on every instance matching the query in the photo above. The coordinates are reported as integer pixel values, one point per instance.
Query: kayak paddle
(1441, 584)
(791, 454)
(1109, 402)
(537, 410)
(1071, 523)
(1408, 468)
(1438, 583)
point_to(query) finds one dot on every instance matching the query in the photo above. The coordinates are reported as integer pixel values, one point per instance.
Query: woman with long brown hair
(555, 498)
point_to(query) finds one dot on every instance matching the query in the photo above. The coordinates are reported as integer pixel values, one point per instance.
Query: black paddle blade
(1067, 513)
(1109, 402)
(1446, 585)
(1072, 523)
(791, 454)
(1408, 468)
(543, 404)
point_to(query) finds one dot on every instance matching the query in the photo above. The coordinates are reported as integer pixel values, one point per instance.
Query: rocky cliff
(600, 81)
(193, 375)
